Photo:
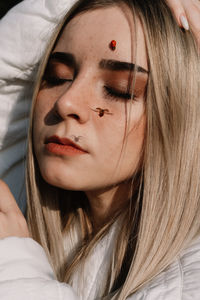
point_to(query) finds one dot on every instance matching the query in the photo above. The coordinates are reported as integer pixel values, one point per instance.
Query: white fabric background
(24, 32)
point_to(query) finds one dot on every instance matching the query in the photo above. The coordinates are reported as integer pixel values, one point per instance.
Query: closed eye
(55, 81)
(113, 93)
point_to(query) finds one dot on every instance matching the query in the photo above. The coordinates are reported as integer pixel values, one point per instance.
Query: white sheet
(24, 33)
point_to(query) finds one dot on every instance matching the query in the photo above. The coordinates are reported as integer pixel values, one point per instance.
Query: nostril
(66, 109)
(74, 116)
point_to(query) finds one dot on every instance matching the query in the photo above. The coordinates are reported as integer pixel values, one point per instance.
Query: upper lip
(63, 141)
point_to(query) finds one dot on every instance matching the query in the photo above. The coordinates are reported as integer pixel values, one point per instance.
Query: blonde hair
(164, 212)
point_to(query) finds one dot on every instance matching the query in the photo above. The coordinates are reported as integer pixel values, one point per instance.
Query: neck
(107, 202)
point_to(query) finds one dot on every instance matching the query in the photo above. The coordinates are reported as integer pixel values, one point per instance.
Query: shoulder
(180, 281)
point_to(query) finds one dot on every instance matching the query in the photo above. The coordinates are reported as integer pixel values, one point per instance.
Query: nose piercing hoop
(102, 111)
(76, 138)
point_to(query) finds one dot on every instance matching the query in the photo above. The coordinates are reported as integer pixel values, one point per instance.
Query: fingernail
(184, 22)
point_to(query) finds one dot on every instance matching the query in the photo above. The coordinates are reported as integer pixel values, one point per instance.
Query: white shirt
(25, 273)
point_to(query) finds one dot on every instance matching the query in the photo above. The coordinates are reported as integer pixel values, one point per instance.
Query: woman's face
(85, 76)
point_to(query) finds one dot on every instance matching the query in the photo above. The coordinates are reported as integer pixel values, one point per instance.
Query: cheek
(42, 107)
(135, 141)
(120, 134)
(40, 111)
(123, 150)
(37, 122)
(111, 128)
(133, 149)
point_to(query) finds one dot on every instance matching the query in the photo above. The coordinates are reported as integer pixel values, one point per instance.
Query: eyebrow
(113, 65)
(66, 58)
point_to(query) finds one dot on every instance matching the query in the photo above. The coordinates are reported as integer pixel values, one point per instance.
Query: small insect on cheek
(101, 112)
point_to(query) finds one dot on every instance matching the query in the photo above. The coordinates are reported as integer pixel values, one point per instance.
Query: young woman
(113, 159)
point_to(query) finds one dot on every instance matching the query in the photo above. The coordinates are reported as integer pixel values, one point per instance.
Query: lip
(62, 146)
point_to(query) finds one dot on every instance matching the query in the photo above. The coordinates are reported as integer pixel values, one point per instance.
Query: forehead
(89, 34)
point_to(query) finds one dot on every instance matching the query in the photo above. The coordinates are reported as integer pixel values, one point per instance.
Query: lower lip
(60, 149)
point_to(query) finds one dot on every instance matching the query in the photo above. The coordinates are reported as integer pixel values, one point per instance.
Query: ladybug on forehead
(113, 45)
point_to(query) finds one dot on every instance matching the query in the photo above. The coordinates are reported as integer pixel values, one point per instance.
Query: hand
(12, 221)
(187, 15)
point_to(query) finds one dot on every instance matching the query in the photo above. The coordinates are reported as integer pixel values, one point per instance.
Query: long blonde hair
(164, 212)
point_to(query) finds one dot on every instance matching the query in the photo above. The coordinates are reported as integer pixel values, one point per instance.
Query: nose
(74, 103)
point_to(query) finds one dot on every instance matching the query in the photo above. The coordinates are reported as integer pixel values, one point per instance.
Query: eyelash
(56, 81)
(117, 94)
(111, 92)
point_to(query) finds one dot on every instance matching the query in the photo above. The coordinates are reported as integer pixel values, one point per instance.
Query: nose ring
(76, 138)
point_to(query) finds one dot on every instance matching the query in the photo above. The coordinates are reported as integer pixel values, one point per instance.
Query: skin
(104, 171)
(191, 10)
(12, 222)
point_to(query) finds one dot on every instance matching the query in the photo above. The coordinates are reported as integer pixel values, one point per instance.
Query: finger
(178, 11)
(7, 201)
(192, 9)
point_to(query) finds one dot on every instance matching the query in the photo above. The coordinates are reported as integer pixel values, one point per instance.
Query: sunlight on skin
(10, 214)
(102, 170)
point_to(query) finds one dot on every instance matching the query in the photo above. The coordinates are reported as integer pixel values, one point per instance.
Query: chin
(64, 180)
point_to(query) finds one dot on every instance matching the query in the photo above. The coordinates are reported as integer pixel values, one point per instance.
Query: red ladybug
(113, 45)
